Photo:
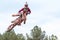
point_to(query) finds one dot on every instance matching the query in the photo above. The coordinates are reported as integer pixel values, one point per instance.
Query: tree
(46, 38)
(10, 35)
(1, 38)
(20, 37)
(53, 37)
(28, 38)
(37, 34)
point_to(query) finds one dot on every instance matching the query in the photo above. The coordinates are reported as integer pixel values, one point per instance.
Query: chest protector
(25, 10)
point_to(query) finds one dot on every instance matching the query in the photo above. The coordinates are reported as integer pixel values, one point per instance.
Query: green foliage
(28, 38)
(53, 37)
(36, 34)
(20, 37)
(11, 36)
(1, 38)
(46, 38)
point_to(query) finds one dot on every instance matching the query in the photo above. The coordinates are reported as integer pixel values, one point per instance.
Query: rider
(26, 10)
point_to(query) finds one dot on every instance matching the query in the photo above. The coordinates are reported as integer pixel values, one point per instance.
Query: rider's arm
(20, 10)
(29, 10)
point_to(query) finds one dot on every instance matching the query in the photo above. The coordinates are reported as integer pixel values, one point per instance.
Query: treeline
(36, 34)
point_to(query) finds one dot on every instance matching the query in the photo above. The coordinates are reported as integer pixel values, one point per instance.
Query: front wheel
(10, 27)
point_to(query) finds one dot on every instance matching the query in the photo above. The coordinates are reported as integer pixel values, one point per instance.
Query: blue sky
(45, 14)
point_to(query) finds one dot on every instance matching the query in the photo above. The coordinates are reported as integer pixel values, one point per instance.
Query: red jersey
(25, 10)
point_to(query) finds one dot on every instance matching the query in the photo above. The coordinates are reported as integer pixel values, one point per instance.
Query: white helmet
(26, 5)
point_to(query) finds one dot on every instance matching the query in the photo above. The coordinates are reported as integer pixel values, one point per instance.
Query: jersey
(25, 10)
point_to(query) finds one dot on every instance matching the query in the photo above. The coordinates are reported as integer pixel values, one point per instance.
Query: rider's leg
(24, 18)
(24, 21)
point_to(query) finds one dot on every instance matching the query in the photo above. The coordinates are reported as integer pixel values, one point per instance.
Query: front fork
(11, 27)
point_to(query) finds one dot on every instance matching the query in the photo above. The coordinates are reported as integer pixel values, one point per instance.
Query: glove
(28, 13)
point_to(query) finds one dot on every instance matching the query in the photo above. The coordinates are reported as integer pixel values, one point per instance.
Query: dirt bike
(17, 21)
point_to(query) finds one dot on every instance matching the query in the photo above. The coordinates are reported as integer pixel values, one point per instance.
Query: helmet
(26, 5)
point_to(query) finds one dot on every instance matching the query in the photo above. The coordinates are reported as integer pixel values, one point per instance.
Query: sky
(45, 14)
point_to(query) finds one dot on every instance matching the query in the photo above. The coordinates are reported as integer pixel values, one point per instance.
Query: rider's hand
(28, 12)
